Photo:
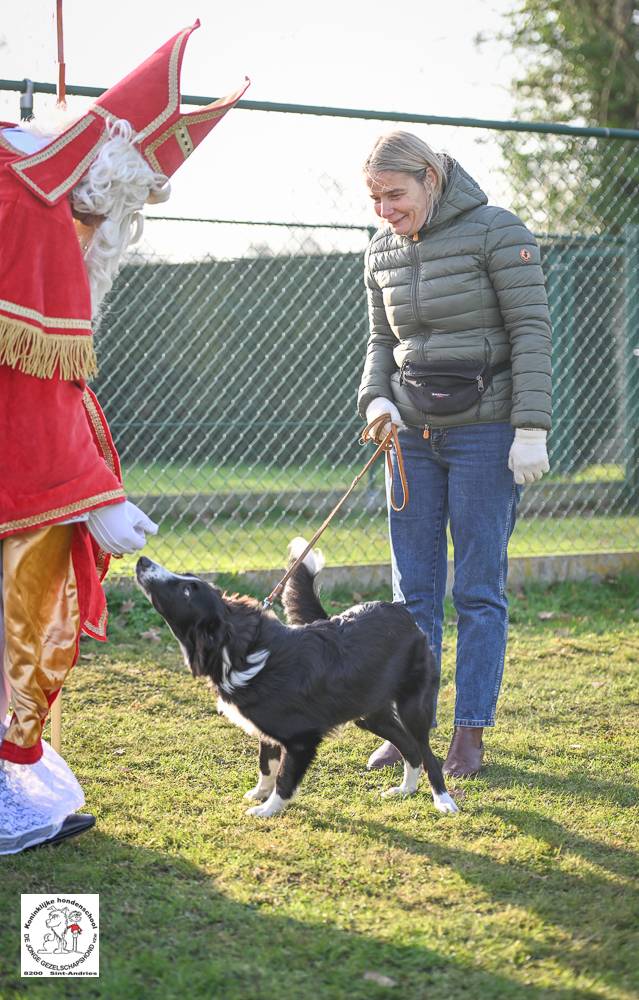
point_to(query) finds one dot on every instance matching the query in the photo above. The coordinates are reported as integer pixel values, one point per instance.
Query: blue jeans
(459, 475)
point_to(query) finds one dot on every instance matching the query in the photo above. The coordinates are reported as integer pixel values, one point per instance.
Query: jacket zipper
(415, 279)
(415, 297)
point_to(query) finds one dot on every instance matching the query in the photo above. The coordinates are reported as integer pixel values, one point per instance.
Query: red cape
(45, 302)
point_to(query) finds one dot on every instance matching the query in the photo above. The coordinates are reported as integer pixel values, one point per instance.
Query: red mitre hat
(149, 98)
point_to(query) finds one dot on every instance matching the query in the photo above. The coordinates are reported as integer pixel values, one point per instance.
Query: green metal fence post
(631, 358)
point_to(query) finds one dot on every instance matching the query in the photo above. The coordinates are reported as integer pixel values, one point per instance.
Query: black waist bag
(443, 388)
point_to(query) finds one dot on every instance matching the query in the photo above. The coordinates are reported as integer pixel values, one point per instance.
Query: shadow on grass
(569, 783)
(166, 931)
(595, 909)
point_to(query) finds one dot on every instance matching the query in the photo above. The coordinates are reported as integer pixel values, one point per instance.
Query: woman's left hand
(378, 406)
(528, 456)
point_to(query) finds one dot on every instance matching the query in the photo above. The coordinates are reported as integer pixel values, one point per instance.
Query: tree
(579, 60)
(579, 65)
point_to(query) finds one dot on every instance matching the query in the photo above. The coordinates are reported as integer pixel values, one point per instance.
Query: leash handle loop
(390, 442)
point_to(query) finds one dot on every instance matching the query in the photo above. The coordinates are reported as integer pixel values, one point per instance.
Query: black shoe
(73, 825)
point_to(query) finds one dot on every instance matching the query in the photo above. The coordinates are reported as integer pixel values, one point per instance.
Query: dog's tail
(301, 603)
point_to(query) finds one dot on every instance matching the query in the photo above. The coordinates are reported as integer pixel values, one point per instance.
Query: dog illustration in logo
(53, 943)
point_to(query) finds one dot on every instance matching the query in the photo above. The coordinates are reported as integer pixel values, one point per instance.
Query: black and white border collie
(291, 684)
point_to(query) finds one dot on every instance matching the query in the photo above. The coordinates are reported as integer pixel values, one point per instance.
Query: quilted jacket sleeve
(380, 363)
(513, 262)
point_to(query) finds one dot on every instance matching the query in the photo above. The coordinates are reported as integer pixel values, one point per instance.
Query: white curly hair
(116, 186)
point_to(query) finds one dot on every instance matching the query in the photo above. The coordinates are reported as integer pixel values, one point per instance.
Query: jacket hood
(460, 195)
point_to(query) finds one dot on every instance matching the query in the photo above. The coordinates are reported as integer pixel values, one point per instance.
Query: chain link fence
(231, 350)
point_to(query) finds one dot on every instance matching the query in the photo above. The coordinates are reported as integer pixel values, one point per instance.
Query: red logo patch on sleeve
(525, 255)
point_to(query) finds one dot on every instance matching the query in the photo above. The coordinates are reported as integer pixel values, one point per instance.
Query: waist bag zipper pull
(426, 433)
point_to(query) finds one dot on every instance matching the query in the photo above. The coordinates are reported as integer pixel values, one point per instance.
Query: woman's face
(401, 199)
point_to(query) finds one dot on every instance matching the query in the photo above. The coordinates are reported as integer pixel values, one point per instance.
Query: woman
(459, 359)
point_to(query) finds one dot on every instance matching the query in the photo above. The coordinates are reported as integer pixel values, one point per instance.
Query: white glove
(120, 527)
(528, 457)
(375, 409)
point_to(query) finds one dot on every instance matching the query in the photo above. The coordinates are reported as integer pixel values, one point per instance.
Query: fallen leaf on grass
(87, 656)
(127, 606)
(377, 977)
(151, 635)
(119, 751)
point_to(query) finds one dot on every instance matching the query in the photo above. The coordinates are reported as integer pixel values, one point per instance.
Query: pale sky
(399, 56)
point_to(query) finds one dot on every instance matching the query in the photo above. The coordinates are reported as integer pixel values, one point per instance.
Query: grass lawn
(530, 893)
(207, 477)
(229, 546)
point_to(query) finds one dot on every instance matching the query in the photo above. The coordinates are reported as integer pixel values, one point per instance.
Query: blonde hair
(116, 186)
(407, 153)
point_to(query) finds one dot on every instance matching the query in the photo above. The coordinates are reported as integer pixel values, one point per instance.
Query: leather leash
(389, 442)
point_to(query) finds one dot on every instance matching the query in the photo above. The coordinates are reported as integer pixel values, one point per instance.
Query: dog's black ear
(242, 628)
(207, 640)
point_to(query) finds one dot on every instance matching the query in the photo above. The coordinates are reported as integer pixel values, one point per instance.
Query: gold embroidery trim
(35, 352)
(52, 149)
(58, 322)
(184, 141)
(48, 515)
(174, 93)
(100, 628)
(99, 431)
(100, 561)
(179, 127)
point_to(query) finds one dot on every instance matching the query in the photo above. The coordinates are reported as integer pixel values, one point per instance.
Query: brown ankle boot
(385, 756)
(466, 752)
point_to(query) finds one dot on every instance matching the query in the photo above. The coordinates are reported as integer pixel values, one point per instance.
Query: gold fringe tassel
(34, 352)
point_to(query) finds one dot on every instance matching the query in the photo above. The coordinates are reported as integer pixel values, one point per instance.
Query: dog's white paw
(257, 794)
(445, 804)
(398, 790)
(257, 811)
(273, 805)
(408, 785)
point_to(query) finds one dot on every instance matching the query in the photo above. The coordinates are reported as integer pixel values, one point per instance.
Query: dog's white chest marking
(234, 715)
(232, 679)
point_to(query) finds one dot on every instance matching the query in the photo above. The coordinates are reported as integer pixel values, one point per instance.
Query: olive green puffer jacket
(470, 286)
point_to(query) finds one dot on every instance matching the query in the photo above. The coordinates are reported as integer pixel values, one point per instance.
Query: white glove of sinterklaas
(120, 527)
(528, 457)
(375, 409)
